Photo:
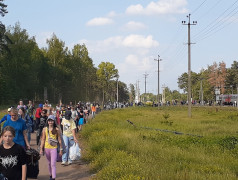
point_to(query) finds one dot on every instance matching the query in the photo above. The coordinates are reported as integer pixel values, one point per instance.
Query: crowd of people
(55, 128)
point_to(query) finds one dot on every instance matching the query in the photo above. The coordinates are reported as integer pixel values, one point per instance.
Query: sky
(131, 34)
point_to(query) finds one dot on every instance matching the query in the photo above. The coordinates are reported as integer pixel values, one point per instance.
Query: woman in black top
(12, 156)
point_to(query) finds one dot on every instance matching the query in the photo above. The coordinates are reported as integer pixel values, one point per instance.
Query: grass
(118, 150)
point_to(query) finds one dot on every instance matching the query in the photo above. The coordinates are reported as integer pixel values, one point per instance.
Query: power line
(213, 30)
(194, 11)
(209, 10)
(211, 25)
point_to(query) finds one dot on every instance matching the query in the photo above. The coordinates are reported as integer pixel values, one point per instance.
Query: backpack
(32, 156)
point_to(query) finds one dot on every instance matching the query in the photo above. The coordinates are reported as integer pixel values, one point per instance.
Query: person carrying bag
(51, 138)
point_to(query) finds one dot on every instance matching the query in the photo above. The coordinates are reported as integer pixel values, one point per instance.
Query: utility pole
(158, 78)
(201, 90)
(189, 64)
(139, 91)
(145, 85)
(237, 96)
(117, 91)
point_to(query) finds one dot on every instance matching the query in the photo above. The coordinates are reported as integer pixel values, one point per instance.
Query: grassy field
(206, 149)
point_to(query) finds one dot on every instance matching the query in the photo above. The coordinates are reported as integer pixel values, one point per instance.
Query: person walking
(81, 120)
(38, 115)
(68, 136)
(42, 124)
(20, 128)
(93, 109)
(51, 131)
(21, 105)
(13, 156)
(5, 117)
(28, 121)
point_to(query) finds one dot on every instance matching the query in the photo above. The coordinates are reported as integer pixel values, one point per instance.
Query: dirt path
(77, 171)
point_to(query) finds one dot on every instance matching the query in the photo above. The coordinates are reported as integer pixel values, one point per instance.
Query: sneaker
(69, 163)
(63, 163)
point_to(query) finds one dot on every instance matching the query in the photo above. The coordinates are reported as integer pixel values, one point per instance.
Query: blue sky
(132, 33)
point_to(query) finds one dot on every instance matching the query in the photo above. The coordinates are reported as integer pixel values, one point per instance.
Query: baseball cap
(52, 117)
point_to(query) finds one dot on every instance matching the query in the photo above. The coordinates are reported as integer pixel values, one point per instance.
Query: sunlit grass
(206, 149)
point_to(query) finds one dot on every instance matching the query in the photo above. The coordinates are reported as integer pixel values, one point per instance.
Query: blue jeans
(69, 141)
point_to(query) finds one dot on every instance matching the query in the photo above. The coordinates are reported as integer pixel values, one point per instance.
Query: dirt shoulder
(77, 171)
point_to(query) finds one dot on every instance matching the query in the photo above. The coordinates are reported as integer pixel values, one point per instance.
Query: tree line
(216, 77)
(54, 72)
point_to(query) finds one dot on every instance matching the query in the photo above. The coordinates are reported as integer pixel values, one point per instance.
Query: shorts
(80, 121)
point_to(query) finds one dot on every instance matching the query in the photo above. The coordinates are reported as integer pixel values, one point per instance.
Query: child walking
(50, 148)
(12, 156)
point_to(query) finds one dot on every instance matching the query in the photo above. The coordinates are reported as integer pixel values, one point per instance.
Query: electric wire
(235, 19)
(194, 11)
(208, 11)
(211, 25)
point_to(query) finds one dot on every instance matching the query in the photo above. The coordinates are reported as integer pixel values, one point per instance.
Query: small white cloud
(159, 7)
(99, 21)
(139, 41)
(133, 26)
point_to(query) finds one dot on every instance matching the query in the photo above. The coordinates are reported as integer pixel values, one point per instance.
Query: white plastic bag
(74, 152)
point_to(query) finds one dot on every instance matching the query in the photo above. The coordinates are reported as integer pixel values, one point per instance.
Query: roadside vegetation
(163, 144)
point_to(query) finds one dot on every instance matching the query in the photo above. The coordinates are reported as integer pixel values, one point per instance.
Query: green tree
(84, 74)
(4, 39)
(106, 72)
(58, 56)
(18, 70)
(232, 77)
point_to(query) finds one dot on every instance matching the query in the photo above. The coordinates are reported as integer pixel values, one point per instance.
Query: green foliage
(166, 116)
(207, 149)
(26, 70)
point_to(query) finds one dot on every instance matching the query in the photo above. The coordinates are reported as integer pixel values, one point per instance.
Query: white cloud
(139, 41)
(140, 44)
(159, 7)
(100, 21)
(133, 26)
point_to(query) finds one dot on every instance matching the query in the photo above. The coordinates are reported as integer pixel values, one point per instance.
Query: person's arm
(3, 119)
(26, 139)
(24, 172)
(75, 139)
(42, 142)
